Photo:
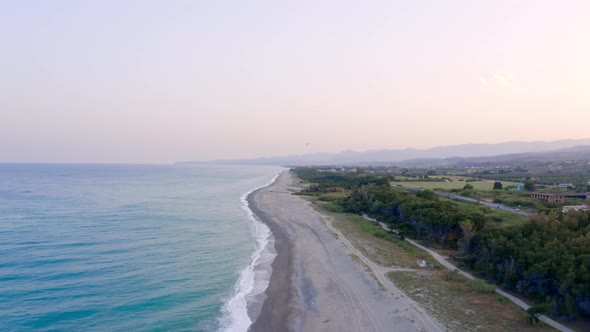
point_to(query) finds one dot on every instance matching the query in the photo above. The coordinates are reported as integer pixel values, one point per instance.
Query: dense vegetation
(422, 216)
(546, 257)
(327, 181)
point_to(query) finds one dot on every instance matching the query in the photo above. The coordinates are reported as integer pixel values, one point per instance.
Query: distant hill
(577, 153)
(437, 155)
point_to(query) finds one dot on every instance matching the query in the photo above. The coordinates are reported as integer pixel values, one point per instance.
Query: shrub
(502, 299)
(333, 207)
(481, 286)
(453, 275)
(467, 192)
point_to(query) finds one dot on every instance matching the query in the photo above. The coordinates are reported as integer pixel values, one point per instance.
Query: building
(549, 198)
(577, 195)
(565, 185)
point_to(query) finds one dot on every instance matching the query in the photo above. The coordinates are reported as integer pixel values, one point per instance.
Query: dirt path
(380, 273)
(443, 261)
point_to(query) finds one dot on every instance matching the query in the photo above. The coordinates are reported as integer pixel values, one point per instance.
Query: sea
(131, 247)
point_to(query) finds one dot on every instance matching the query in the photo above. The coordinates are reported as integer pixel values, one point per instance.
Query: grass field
(432, 185)
(454, 301)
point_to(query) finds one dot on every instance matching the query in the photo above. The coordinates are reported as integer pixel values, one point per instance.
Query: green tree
(468, 229)
(498, 185)
(427, 194)
(529, 185)
(468, 187)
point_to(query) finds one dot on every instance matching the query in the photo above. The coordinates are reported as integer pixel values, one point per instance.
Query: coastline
(246, 303)
(316, 284)
(277, 307)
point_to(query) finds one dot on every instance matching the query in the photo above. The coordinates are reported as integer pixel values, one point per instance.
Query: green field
(432, 185)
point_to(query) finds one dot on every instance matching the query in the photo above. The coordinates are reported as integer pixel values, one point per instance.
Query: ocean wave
(254, 279)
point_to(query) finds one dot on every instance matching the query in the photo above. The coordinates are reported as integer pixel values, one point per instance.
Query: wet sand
(315, 284)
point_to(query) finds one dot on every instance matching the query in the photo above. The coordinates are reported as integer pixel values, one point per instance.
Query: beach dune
(315, 283)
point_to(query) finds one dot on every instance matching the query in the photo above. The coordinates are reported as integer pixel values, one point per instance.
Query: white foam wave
(254, 279)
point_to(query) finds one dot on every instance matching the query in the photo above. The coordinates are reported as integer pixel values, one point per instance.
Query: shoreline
(275, 310)
(316, 284)
(245, 305)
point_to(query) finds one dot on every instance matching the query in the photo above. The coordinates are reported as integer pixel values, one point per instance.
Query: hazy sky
(164, 81)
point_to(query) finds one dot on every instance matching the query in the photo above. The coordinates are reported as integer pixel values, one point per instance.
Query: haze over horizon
(160, 82)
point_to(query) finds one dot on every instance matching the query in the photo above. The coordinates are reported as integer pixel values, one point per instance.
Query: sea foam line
(254, 279)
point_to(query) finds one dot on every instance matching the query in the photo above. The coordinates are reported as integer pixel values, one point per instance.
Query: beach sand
(315, 283)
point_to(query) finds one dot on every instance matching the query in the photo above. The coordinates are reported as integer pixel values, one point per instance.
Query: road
(443, 261)
(476, 201)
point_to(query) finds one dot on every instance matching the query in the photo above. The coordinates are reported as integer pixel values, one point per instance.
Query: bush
(496, 218)
(453, 275)
(427, 194)
(502, 299)
(481, 286)
(333, 207)
(467, 192)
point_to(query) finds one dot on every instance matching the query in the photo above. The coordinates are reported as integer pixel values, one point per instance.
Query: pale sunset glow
(166, 81)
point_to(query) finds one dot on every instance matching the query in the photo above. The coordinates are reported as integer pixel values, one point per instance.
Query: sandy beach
(319, 281)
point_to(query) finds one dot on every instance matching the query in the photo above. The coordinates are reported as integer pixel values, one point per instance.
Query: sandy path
(316, 285)
(443, 261)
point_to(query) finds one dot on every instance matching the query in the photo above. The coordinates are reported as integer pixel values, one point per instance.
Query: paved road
(443, 261)
(476, 201)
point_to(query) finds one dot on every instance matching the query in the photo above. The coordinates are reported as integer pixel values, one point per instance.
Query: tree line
(546, 257)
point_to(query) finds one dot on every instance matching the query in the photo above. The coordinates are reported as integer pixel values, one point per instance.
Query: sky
(165, 81)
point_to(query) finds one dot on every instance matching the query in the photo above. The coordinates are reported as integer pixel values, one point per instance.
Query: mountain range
(436, 155)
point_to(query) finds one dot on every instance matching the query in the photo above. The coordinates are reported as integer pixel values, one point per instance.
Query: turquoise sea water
(121, 247)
